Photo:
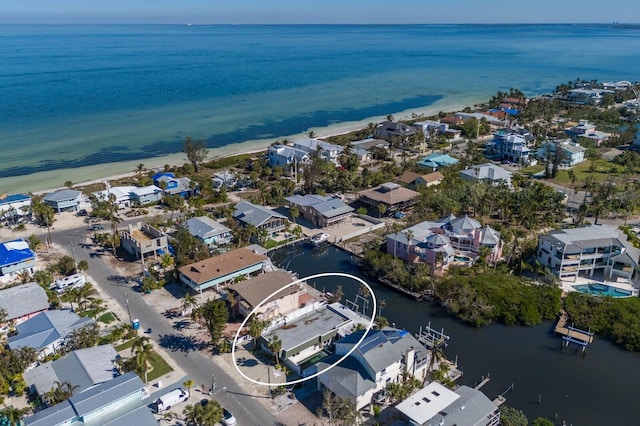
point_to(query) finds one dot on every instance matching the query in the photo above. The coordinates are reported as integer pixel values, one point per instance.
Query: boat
(319, 239)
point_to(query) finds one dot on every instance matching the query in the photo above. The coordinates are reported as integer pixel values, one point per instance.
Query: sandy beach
(46, 181)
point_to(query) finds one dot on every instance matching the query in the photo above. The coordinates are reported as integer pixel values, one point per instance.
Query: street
(198, 366)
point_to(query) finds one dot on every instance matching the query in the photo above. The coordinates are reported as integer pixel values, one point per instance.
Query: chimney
(409, 359)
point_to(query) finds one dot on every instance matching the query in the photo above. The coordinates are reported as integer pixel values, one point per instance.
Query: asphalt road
(246, 409)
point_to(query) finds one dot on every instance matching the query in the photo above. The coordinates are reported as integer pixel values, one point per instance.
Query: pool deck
(568, 286)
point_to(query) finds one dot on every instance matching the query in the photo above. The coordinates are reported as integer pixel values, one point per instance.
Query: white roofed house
(321, 210)
(13, 207)
(120, 194)
(327, 151)
(587, 130)
(146, 194)
(288, 157)
(488, 173)
(571, 153)
(212, 233)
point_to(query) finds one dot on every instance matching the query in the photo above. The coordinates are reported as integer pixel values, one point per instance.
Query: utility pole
(213, 383)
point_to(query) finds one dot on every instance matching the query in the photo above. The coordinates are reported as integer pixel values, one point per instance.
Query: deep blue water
(82, 95)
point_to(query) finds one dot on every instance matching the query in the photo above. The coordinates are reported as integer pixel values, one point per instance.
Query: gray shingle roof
(139, 417)
(23, 300)
(487, 171)
(333, 208)
(62, 195)
(83, 368)
(472, 408)
(307, 200)
(489, 236)
(46, 328)
(348, 379)
(465, 223)
(253, 214)
(205, 227)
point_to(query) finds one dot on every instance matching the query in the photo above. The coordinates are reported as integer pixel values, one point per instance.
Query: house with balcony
(587, 130)
(571, 153)
(413, 180)
(120, 401)
(327, 151)
(172, 185)
(448, 241)
(322, 211)
(16, 257)
(121, 195)
(595, 250)
(394, 132)
(290, 158)
(211, 232)
(431, 127)
(511, 145)
(393, 196)
(14, 207)
(47, 331)
(487, 173)
(381, 359)
(64, 200)
(365, 149)
(223, 269)
(586, 96)
(146, 194)
(436, 404)
(259, 216)
(23, 302)
(141, 240)
(255, 293)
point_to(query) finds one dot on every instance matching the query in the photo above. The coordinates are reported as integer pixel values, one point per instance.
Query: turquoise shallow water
(77, 96)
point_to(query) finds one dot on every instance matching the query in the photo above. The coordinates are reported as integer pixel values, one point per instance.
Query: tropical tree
(341, 411)
(207, 413)
(60, 392)
(196, 151)
(189, 303)
(44, 215)
(214, 314)
(83, 337)
(34, 242)
(294, 213)
(11, 416)
(382, 209)
(256, 327)
(82, 266)
(275, 346)
(512, 417)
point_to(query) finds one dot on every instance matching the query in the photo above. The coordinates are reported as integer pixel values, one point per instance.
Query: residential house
(46, 332)
(222, 269)
(225, 179)
(212, 233)
(15, 257)
(511, 145)
(449, 240)
(288, 157)
(146, 194)
(63, 200)
(121, 195)
(413, 180)
(492, 120)
(320, 210)
(381, 359)
(82, 368)
(436, 160)
(174, 186)
(119, 401)
(393, 196)
(364, 148)
(436, 404)
(23, 301)
(15, 206)
(431, 127)
(260, 217)
(487, 173)
(142, 239)
(589, 250)
(587, 130)
(156, 177)
(254, 292)
(306, 335)
(453, 134)
(394, 132)
(451, 120)
(586, 96)
(327, 151)
(571, 153)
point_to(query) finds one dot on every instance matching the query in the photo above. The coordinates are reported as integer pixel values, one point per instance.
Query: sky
(318, 11)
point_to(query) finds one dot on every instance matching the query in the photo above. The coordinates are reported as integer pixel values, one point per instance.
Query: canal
(601, 388)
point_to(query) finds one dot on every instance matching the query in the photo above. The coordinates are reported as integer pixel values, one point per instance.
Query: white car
(227, 418)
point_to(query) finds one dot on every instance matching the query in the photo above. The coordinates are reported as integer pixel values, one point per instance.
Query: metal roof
(254, 214)
(465, 223)
(57, 415)
(205, 227)
(23, 300)
(348, 379)
(62, 195)
(141, 416)
(13, 198)
(106, 393)
(307, 200)
(472, 408)
(15, 251)
(45, 328)
(487, 171)
(332, 208)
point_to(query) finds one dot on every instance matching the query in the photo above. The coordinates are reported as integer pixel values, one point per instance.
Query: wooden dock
(571, 334)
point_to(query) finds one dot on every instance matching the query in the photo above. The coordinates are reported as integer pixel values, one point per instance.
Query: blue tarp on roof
(509, 111)
(13, 198)
(14, 252)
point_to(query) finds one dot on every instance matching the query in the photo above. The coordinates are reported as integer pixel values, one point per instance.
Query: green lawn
(159, 367)
(601, 172)
(107, 318)
(269, 244)
(530, 171)
(125, 345)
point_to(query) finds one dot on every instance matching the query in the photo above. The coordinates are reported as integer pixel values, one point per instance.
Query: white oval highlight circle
(253, 312)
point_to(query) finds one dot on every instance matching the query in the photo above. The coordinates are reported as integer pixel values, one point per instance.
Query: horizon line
(324, 23)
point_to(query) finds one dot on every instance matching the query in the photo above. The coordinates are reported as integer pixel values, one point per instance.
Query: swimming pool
(461, 258)
(314, 359)
(597, 289)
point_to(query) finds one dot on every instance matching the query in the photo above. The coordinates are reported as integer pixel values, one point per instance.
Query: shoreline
(43, 182)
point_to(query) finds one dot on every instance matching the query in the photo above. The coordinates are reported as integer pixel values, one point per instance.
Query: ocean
(84, 102)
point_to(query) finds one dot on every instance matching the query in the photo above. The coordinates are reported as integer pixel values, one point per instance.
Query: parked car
(97, 227)
(168, 400)
(82, 212)
(227, 418)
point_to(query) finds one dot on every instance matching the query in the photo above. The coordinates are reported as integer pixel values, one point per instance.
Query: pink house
(449, 240)
(23, 302)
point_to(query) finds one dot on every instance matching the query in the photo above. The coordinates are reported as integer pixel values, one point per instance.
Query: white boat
(318, 239)
(72, 281)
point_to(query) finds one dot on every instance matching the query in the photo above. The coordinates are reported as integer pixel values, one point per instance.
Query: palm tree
(13, 414)
(256, 327)
(311, 134)
(142, 350)
(189, 303)
(381, 305)
(435, 356)
(275, 346)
